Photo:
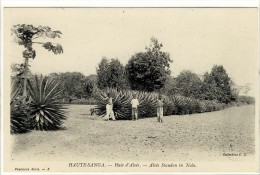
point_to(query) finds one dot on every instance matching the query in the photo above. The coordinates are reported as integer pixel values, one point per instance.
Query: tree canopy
(111, 73)
(149, 70)
(188, 84)
(25, 34)
(90, 84)
(217, 85)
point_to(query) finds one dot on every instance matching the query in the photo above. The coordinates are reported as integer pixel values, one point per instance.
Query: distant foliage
(111, 74)
(72, 84)
(149, 70)
(246, 99)
(84, 101)
(89, 85)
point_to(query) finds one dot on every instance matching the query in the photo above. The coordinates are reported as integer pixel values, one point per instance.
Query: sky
(196, 38)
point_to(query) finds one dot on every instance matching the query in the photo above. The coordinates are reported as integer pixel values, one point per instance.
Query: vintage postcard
(130, 90)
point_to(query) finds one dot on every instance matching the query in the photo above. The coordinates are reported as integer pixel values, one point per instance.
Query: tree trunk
(25, 78)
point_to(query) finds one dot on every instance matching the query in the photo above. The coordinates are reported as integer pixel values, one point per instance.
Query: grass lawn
(198, 137)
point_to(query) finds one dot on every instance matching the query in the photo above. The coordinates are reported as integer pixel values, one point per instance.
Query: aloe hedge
(173, 105)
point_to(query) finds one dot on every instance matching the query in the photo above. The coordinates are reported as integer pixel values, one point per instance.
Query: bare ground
(197, 137)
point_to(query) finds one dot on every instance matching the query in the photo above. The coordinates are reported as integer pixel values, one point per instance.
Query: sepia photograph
(130, 90)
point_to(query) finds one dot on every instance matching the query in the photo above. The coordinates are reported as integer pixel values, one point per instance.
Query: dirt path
(203, 137)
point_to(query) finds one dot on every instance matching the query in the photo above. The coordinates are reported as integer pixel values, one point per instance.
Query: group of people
(134, 103)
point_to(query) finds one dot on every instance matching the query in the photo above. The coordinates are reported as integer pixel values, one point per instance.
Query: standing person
(160, 109)
(135, 104)
(109, 108)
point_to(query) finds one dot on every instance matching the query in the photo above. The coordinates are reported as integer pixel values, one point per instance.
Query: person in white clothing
(109, 109)
(135, 104)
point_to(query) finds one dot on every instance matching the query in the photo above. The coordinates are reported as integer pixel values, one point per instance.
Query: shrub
(81, 101)
(87, 101)
(46, 113)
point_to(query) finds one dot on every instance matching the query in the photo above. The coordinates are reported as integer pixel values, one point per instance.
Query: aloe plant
(19, 110)
(122, 103)
(46, 112)
(169, 107)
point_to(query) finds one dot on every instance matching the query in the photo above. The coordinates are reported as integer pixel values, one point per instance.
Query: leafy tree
(246, 99)
(103, 73)
(234, 91)
(217, 85)
(149, 70)
(170, 86)
(90, 83)
(25, 35)
(111, 73)
(188, 84)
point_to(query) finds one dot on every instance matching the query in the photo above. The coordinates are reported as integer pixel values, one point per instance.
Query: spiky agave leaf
(185, 105)
(121, 105)
(121, 100)
(168, 107)
(147, 107)
(216, 106)
(204, 106)
(19, 110)
(46, 113)
(210, 105)
(180, 103)
(192, 105)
